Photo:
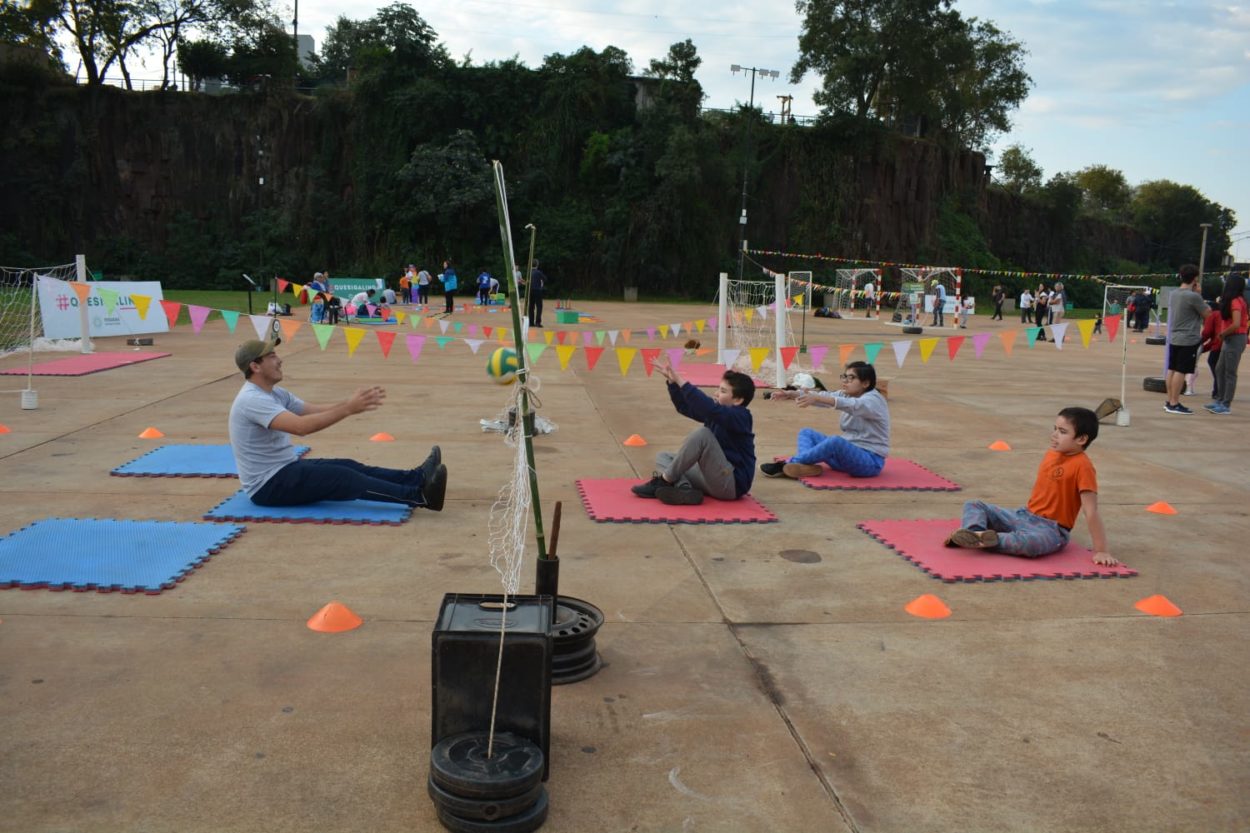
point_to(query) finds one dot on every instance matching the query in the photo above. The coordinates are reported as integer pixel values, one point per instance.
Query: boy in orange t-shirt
(1066, 485)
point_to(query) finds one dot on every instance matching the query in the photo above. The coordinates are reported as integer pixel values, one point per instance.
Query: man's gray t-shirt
(1185, 317)
(259, 451)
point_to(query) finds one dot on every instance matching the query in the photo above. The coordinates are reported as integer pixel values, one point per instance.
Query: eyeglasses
(848, 377)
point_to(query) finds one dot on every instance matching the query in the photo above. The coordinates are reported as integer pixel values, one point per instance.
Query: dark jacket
(732, 426)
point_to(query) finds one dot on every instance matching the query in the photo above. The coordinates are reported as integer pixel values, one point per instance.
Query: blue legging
(308, 481)
(1020, 532)
(837, 453)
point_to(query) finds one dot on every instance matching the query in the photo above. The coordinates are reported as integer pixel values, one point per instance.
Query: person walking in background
(1041, 311)
(998, 297)
(423, 287)
(1185, 321)
(939, 303)
(1235, 320)
(450, 283)
(538, 285)
(1058, 303)
(1026, 305)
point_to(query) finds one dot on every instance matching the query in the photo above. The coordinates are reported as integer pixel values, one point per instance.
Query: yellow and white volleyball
(502, 366)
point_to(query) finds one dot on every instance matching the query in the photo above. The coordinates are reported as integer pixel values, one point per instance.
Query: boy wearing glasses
(861, 449)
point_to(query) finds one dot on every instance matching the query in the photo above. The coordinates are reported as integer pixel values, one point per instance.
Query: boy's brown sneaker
(971, 539)
(797, 470)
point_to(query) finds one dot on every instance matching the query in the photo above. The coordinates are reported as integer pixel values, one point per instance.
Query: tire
(482, 809)
(459, 765)
(1156, 340)
(523, 822)
(913, 331)
(1154, 384)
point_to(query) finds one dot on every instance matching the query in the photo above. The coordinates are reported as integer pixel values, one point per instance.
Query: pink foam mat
(611, 500)
(709, 375)
(920, 542)
(84, 363)
(898, 475)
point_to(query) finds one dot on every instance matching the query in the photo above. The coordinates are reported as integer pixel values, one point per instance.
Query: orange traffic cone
(928, 606)
(151, 434)
(635, 440)
(1161, 507)
(335, 617)
(4, 429)
(1158, 606)
(382, 437)
(999, 445)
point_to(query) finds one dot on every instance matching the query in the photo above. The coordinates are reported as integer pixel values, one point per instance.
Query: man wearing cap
(262, 420)
(939, 303)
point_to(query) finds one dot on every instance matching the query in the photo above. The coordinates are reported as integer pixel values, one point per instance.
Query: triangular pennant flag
(649, 355)
(953, 343)
(428, 323)
(400, 316)
(1113, 325)
(663, 331)
(713, 324)
(592, 357)
(386, 338)
(534, 351)
(758, 354)
(612, 334)
(474, 344)
(443, 341)
(787, 356)
(371, 310)
(587, 338)
(413, 320)
(289, 328)
(415, 343)
(486, 331)
(260, 323)
(198, 315)
(231, 318)
(749, 314)
(564, 352)
(676, 356)
(625, 357)
(549, 336)
(1086, 328)
(763, 311)
(600, 335)
(844, 353)
(979, 341)
(675, 329)
(297, 289)
(900, 351)
(142, 302)
(1057, 332)
(172, 308)
(323, 333)
(927, 346)
(651, 333)
(798, 299)
(1008, 337)
(1032, 333)
(109, 297)
(729, 357)
(699, 324)
(625, 335)
(82, 289)
(562, 336)
(817, 352)
(871, 351)
(283, 283)
(353, 336)
(443, 324)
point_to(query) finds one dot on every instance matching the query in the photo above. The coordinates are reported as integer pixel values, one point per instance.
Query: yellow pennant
(926, 348)
(1086, 326)
(400, 316)
(699, 324)
(353, 336)
(625, 357)
(549, 336)
(564, 352)
(663, 331)
(503, 335)
(297, 289)
(758, 354)
(142, 302)
(798, 300)
(749, 313)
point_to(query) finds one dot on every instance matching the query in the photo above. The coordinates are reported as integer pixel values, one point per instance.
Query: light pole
(746, 165)
(1202, 255)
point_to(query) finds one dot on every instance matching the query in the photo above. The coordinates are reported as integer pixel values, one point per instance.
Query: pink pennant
(817, 352)
(979, 341)
(415, 343)
(198, 316)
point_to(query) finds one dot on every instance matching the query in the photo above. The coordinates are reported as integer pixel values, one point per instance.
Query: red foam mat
(611, 500)
(920, 542)
(84, 363)
(898, 475)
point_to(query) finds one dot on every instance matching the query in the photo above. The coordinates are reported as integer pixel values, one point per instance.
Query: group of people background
(414, 288)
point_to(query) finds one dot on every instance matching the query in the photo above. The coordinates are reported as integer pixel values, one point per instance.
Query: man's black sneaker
(432, 462)
(683, 495)
(1176, 409)
(649, 488)
(435, 489)
(773, 469)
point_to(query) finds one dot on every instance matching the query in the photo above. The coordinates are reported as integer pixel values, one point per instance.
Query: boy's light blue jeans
(1020, 532)
(837, 453)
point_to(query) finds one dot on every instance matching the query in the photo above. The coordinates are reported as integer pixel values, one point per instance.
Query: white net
(509, 516)
(917, 299)
(1115, 298)
(21, 328)
(850, 287)
(751, 311)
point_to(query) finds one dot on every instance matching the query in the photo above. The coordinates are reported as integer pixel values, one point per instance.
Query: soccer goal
(1115, 299)
(754, 315)
(918, 296)
(857, 288)
(21, 325)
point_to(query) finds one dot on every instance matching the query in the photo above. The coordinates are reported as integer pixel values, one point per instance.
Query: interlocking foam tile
(186, 461)
(84, 363)
(611, 500)
(239, 507)
(709, 375)
(104, 555)
(898, 475)
(920, 542)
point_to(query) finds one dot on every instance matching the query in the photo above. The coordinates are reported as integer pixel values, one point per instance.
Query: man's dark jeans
(308, 481)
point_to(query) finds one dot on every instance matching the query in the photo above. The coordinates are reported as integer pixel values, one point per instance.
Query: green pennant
(231, 318)
(457, 327)
(1032, 332)
(600, 335)
(871, 351)
(442, 341)
(534, 350)
(109, 297)
(323, 333)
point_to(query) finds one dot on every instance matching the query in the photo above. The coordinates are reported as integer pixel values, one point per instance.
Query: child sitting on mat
(865, 441)
(717, 459)
(1066, 484)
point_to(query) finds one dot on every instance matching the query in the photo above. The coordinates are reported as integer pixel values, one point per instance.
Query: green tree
(1017, 171)
(201, 59)
(678, 87)
(32, 25)
(1170, 217)
(985, 80)
(1107, 192)
(396, 35)
(265, 52)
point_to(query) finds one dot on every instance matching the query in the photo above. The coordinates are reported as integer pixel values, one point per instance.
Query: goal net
(21, 326)
(850, 289)
(753, 319)
(919, 294)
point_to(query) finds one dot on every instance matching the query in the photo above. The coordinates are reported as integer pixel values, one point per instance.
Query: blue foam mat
(239, 507)
(186, 461)
(107, 554)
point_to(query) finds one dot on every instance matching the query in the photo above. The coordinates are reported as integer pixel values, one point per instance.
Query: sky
(1157, 90)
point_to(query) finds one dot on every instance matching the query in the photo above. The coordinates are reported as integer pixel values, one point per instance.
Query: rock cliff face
(79, 166)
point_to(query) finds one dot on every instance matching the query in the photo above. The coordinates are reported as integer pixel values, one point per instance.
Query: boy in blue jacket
(717, 459)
